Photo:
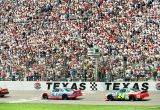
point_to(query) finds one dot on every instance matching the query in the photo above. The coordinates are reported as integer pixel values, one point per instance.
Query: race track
(96, 98)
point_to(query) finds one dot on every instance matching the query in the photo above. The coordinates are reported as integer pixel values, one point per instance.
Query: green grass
(25, 106)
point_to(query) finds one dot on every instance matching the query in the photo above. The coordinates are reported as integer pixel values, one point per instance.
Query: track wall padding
(86, 86)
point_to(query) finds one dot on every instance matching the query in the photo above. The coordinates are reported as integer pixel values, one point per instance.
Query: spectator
(55, 35)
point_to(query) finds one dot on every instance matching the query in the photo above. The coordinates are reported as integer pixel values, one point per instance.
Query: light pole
(95, 53)
(96, 71)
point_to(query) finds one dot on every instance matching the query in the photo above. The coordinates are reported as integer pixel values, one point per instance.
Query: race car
(62, 93)
(3, 92)
(131, 94)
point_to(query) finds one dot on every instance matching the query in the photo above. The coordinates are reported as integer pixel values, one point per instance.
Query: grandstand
(50, 40)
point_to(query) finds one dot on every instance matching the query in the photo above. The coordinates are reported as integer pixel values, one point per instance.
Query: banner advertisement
(84, 86)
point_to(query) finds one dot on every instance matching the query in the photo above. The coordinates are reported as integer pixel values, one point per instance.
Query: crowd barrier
(86, 86)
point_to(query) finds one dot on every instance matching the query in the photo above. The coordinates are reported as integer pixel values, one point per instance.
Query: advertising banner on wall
(85, 86)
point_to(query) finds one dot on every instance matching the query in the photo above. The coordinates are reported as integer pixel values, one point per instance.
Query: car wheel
(110, 97)
(45, 96)
(2, 96)
(74, 98)
(140, 99)
(64, 97)
(131, 98)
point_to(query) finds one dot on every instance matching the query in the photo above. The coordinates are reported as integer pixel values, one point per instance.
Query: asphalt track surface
(93, 97)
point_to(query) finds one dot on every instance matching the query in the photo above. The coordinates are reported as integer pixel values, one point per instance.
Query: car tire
(140, 99)
(110, 97)
(74, 98)
(2, 96)
(64, 97)
(132, 98)
(45, 96)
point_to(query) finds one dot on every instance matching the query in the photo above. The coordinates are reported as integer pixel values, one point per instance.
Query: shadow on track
(5, 97)
(130, 101)
(76, 99)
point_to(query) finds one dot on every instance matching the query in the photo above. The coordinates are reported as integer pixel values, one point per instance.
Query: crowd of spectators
(50, 40)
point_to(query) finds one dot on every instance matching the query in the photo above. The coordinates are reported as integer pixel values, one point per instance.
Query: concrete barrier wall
(86, 86)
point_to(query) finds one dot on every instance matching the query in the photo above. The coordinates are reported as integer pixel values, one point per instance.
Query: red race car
(3, 92)
(62, 93)
(127, 94)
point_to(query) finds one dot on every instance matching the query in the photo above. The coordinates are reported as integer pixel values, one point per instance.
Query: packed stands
(50, 39)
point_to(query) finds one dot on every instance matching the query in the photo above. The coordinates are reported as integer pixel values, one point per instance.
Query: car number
(55, 94)
(121, 96)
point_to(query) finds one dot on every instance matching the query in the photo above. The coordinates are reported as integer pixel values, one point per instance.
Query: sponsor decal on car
(37, 85)
(158, 86)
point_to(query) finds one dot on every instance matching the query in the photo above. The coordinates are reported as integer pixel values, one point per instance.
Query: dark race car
(62, 93)
(127, 94)
(3, 92)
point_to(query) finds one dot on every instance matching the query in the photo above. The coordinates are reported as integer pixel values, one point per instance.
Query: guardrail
(85, 86)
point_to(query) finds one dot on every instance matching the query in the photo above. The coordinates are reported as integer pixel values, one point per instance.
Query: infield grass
(24, 106)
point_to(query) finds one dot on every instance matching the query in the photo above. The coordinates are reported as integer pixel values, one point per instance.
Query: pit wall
(86, 86)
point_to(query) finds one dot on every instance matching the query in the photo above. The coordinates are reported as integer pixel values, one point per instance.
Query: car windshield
(68, 89)
(135, 90)
(122, 90)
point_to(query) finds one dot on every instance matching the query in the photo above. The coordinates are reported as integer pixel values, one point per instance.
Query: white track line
(25, 100)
